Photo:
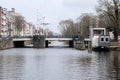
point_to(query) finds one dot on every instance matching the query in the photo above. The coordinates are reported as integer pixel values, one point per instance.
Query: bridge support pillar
(46, 43)
(71, 44)
(38, 41)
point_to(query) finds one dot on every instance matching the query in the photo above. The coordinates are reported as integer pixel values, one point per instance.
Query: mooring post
(89, 46)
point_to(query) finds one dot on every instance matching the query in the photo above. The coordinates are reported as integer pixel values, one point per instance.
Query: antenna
(38, 24)
(44, 24)
(37, 19)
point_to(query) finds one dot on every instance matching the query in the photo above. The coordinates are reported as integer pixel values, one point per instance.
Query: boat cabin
(99, 38)
(98, 31)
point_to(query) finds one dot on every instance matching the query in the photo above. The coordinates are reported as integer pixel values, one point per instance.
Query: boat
(100, 41)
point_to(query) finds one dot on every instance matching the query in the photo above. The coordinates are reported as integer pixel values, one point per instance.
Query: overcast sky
(53, 10)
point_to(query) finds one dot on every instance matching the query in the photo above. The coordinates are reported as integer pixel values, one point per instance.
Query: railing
(58, 37)
(114, 44)
(22, 36)
(46, 37)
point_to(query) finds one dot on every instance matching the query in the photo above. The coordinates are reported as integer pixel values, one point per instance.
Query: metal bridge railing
(59, 37)
(22, 36)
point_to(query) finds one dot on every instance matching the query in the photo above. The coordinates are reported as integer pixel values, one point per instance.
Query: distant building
(7, 22)
(3, 22)
(8, 27)
(11, 21)
(28, 30)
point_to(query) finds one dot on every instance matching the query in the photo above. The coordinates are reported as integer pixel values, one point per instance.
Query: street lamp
(9, 28)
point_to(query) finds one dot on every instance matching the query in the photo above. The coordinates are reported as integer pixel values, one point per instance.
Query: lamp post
(9, 28)
(43, 18)
(44, 24)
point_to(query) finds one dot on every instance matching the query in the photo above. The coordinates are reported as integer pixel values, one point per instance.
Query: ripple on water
(58, 64)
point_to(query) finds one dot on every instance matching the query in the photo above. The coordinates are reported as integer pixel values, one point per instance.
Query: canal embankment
(6, 43)
(79, 45)
(114, 46)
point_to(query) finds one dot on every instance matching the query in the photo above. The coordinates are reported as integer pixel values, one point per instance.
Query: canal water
(58, 63)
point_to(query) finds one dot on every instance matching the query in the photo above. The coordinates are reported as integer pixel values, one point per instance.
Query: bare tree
(85, 21)
(111, 9)
(68, 28)
(48, 32)
(19, 23)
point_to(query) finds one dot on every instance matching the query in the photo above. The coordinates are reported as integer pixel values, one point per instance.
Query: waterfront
(58, 63)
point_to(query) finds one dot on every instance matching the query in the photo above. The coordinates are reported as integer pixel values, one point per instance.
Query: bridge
(58, 38)
(19, 41)
(50, 38)
(37, 40)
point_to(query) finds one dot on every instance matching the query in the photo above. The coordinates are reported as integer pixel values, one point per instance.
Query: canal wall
(30, 42)
(79, 45)
(114, 46)
(6, 43)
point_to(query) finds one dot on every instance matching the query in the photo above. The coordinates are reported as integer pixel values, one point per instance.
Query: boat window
(98, 32)
(102, 39)
(107, 39)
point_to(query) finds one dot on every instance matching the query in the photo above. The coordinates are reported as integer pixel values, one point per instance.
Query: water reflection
(108, 65)
(11, 67)
(58, 64)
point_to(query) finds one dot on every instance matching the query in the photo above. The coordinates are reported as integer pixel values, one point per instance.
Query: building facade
(7, 22)
(27, 30)
(8, 27)
(3, 22)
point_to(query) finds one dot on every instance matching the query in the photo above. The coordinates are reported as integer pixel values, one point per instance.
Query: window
(98, 32)
(107, 39)
(102, 39)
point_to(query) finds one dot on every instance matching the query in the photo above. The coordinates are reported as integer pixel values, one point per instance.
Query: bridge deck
(26, 39)
(61, 39)
(21, 39)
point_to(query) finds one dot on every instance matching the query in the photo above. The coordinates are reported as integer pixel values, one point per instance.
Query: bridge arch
(70, 43)
(18, 44)
(41, 41)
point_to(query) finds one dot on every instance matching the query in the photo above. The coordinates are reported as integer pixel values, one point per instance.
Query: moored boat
(100, 41)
